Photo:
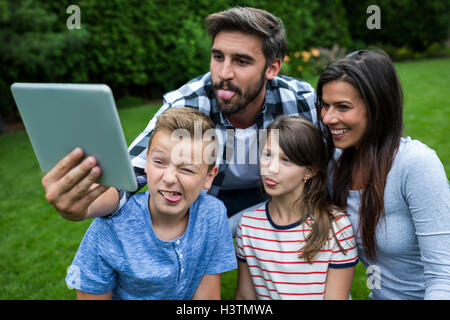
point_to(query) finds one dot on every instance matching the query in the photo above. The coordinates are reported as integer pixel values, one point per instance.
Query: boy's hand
(71, 190)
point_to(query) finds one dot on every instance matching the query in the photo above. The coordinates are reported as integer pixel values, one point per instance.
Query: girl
(296, 245)
(395, 189)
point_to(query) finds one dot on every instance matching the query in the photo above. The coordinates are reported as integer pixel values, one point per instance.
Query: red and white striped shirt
(271, 253)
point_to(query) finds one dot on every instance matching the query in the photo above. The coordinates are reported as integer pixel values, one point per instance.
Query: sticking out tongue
(225, 94)
(172, 197)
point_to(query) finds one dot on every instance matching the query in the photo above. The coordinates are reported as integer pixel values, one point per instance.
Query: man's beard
(243, 100)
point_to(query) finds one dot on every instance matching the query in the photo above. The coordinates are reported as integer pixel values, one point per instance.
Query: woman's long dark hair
(373, 75)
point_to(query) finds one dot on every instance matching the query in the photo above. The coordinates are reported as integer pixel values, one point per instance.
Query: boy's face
(174, 182)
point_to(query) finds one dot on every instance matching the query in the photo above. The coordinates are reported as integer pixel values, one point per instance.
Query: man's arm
(208, 288)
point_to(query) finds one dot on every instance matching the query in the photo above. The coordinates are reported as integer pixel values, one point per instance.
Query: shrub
(303, 64)
(31, 47)
(146, 48)
(410, 24)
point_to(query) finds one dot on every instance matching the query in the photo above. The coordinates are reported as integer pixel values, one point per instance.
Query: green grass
(37, 245)
(427, 110)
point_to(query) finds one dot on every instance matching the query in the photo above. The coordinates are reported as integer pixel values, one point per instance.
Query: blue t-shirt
(122, 253)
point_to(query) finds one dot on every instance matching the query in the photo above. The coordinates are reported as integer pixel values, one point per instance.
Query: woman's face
(344, 113)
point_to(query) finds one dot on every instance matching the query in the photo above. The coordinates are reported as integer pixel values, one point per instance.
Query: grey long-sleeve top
(413, 257)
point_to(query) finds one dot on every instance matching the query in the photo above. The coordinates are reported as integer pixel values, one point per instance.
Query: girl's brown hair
(303, 144)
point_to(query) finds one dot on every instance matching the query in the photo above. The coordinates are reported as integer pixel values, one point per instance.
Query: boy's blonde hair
(184, 118)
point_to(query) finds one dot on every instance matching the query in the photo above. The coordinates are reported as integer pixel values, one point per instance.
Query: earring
(305, 179)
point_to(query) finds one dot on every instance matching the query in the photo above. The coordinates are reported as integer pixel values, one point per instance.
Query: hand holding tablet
(72, 188)
(65, 122)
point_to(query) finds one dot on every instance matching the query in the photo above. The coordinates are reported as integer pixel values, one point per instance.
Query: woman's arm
(339, 283)
(245, 289)
(208, 288)
(426, 191)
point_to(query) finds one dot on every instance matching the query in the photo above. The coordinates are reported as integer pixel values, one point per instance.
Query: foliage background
(145, 48)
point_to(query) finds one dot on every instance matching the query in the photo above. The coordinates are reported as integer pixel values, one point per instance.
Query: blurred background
(143, 49)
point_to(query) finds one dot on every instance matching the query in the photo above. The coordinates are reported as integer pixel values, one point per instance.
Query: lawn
(37, 245)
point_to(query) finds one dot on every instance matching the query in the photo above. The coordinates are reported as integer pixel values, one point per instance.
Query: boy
(171, 242)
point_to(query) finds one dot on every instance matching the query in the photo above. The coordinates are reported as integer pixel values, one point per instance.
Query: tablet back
(61, 117)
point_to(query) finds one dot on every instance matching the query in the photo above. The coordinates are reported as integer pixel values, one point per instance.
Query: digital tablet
(60, 117)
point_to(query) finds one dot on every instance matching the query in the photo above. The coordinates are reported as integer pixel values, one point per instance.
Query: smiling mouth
(338, 132)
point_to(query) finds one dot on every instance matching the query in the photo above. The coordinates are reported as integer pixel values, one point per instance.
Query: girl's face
(344, 113)
(281, 176)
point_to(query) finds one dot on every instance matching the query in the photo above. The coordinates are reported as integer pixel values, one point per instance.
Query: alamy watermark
(373, 277)
(73, 277)
(241, 147)
(74, 20)
(374, 20)
(208, 147)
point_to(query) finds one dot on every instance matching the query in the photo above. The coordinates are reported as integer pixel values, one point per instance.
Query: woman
(395, 189)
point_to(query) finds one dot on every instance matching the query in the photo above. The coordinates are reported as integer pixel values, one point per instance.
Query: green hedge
(144, 48)
(415, 25)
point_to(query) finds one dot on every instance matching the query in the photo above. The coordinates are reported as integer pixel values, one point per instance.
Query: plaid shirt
(284, 95)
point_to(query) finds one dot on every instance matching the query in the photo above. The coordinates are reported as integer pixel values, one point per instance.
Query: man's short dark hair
(252, 21)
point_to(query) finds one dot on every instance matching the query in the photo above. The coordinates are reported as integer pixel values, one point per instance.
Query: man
(242, 93)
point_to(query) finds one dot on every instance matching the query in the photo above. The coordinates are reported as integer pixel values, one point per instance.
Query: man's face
(237, 70)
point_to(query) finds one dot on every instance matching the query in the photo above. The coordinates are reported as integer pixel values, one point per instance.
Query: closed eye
(189, 169)
(158, 162)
